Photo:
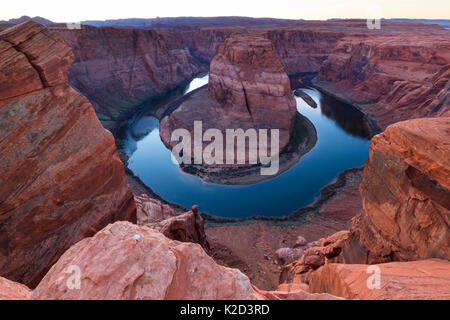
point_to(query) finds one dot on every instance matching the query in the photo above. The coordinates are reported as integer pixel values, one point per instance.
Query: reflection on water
(341, 144)
(349, 119)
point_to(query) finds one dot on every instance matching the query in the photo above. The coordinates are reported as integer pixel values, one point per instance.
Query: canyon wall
(406, 192)
(120, 69)
(392, 76)
(405, 212)
(62, 179)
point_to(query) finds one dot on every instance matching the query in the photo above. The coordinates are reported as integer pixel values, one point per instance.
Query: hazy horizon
(82, 10)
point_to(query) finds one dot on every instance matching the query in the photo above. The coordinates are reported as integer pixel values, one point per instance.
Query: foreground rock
(10, 290)
(62, 179)
(247, 75)
(406, 193)
(125, 261)
(423, 280)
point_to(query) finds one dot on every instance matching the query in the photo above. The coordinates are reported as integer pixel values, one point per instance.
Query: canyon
(66, 199)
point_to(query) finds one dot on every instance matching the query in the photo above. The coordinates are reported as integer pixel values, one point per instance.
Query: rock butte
(62, 179)
(248, 88)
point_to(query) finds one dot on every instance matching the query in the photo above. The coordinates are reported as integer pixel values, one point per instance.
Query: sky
(80, 10)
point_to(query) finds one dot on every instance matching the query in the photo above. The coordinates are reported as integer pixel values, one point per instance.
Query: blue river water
(342, 143)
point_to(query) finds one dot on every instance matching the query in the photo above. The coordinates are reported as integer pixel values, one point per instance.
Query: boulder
(126, 261)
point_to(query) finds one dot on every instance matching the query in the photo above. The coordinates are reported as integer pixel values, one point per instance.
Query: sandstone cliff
(392, 77)
(119, 69)
(62, 179)
(406, 192)
(405, 205)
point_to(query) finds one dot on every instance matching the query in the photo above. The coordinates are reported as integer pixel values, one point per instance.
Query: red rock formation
(247, 75)
(62, 179)
(405, 196)
(119, 69)
(423, 280)
(406, 192)
(125, 261)
(10, 290)
(393, 76)
(247, 88)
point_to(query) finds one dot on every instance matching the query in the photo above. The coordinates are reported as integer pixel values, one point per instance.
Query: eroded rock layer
(62, 179)
(247, 74)
(125, 261)
(392, 77)
(406, 192)
(119, 69)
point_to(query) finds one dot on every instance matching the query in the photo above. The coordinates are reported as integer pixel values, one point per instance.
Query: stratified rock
(10, 290)
(118, 69)
(247, 75)
(62, 179)
(424, 280)
(150, 210)
(126, 261)
(392, 77)
(406, 193)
